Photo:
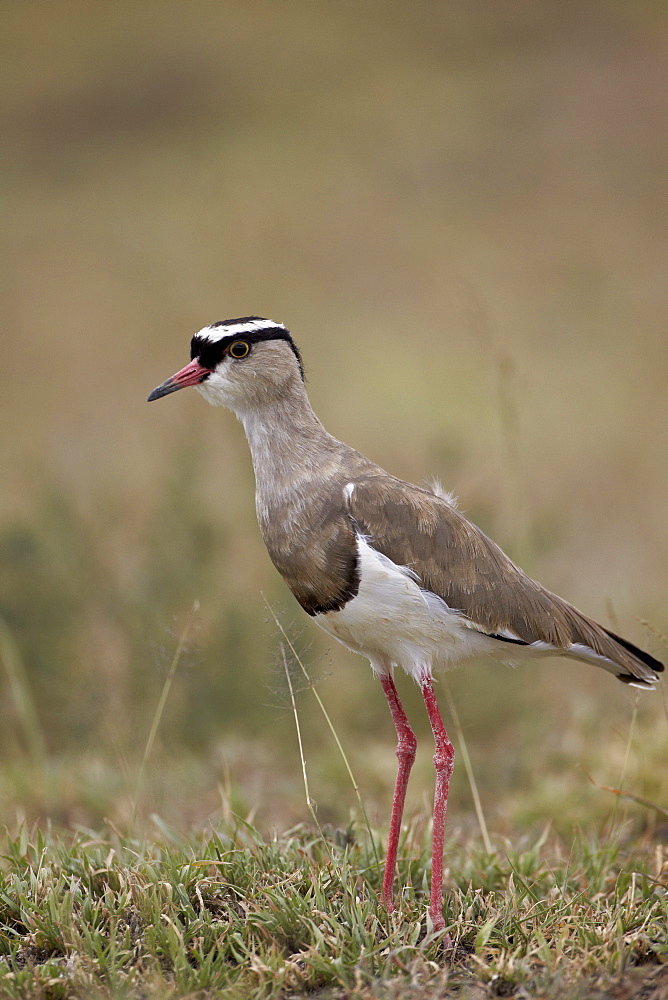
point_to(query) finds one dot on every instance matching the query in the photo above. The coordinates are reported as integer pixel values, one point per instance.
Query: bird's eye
(239, 349)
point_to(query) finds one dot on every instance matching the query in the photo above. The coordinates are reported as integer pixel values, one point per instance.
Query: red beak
(192, 374)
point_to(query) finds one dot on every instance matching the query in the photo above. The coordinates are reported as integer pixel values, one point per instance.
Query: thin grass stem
(625, 763)
(468, 767)
(661, 810)
(309, 801)
(329, 722)
(19, 685)
(162, 701)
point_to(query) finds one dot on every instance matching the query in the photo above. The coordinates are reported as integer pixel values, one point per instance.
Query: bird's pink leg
(406, 744)
(444, 759)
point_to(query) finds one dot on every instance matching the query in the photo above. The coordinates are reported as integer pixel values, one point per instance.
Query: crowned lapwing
(393, 571)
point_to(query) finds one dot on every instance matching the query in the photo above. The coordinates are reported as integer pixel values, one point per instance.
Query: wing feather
(457, 561)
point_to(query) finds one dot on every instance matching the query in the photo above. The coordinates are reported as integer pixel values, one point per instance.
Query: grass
(229, 913)
(136, 908)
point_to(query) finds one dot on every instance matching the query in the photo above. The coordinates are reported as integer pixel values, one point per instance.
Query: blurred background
(459, 210)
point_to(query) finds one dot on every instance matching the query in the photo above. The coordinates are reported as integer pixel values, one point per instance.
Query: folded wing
(455, 560)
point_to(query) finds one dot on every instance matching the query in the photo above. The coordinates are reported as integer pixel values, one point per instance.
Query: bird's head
(240, 363)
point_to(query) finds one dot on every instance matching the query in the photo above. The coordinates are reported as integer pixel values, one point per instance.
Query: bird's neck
(288, 444)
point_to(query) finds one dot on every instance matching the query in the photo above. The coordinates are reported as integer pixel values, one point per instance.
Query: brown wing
(457, 561)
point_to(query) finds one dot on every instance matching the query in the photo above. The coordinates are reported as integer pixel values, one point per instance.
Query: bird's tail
(646, 669)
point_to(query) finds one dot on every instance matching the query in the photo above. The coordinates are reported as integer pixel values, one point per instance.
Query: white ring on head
(218, 332)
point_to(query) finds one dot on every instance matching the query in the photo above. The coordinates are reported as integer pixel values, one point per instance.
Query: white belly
(394, 622)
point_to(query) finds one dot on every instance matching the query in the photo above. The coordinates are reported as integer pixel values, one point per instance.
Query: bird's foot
(388, 901)
(438, 926)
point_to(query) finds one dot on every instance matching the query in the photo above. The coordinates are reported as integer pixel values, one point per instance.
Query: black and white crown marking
(209, 345)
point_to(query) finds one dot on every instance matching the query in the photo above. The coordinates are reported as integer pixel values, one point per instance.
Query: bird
(393, 571)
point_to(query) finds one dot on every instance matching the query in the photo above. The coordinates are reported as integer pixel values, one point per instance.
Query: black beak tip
(163, 390)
